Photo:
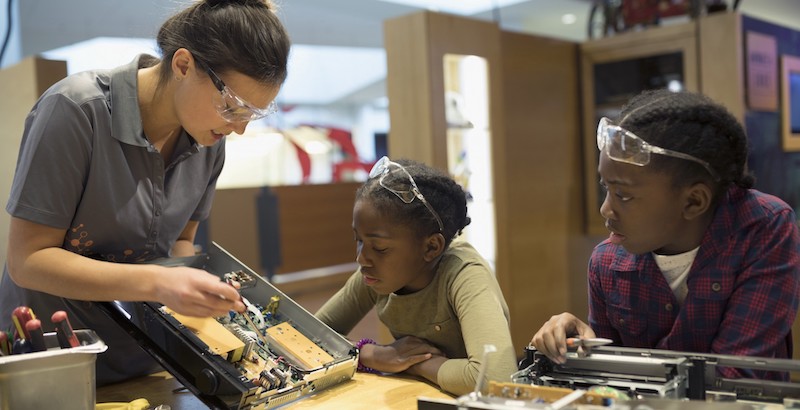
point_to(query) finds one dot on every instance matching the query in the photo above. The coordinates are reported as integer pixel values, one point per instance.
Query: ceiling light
(569, 18)
(462, 7)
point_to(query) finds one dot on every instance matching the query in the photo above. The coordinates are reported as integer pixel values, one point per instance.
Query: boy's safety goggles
(396, 179)
(622, 145)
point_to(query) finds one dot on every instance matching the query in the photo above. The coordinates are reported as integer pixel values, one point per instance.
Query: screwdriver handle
(66, 337)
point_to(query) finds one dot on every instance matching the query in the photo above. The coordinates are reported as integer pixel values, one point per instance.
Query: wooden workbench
(365, 391)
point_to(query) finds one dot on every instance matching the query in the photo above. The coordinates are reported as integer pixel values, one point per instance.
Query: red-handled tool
(66, 337)
(20, 316)
(5, 346)
(36, 335)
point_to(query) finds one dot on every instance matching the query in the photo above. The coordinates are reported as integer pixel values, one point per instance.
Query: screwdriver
(246, 314)
(587, 342)
(5, 346)
(66, 337)
(21, 315)
(36, 335)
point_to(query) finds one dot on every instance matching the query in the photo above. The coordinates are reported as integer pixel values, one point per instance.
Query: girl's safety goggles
(622, 145)
(233, 108)
(396, 179)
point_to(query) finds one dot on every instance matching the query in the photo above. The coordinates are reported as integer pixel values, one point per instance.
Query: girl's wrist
(361, 366)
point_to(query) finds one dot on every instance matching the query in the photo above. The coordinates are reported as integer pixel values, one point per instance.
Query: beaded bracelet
(361, 367)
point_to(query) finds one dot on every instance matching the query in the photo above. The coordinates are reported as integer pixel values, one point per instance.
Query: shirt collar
(714, 240)
(123, 100)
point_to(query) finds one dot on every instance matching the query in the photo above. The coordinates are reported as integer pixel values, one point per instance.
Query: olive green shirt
(459, 312)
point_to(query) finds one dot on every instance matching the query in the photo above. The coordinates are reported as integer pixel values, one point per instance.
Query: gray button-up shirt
(86, 166)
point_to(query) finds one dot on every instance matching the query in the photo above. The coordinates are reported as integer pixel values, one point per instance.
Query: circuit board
(272, 353)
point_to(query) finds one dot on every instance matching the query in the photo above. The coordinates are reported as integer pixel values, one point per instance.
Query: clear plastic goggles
(233, 108)
(396, 179)
(622, 145)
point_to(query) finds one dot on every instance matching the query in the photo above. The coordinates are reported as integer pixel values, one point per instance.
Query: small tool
(20, 316)
(588, 342)
(21, 346)
(36, 336)
(246, 315)
(5, 343)
(66, 337)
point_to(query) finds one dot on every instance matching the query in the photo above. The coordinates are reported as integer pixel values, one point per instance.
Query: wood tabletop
(365, 391)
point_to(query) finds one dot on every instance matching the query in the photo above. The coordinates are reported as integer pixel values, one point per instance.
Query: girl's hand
(398, 356)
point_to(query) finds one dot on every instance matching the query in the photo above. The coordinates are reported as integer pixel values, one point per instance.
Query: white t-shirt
(676, 270)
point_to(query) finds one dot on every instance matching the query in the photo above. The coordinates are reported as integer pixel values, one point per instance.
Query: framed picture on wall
(762, 72)
(790, 102)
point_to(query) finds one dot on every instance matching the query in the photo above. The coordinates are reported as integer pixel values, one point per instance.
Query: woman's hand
(195, 292)
(551, 339)
(398, 356)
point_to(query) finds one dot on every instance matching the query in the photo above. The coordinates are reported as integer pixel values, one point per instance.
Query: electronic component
(244, 279)
(272, 353)
(631, 378)
(297, 347)
(660, 374)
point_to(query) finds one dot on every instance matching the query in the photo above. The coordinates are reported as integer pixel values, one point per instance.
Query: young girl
(120, 166)
(696, 260)
(438, 296)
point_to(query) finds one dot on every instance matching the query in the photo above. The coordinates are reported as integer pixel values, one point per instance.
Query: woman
(120, 166)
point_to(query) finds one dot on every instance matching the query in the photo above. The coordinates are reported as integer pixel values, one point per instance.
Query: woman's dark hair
(440, 190)
(693, 124)
(239, 35)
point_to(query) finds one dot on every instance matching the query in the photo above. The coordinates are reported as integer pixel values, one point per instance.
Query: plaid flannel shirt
(743, 288)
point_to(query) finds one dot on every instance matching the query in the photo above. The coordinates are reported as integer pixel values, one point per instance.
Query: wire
(8, 30)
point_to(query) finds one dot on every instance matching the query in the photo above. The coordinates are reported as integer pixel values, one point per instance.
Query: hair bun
(258, 3)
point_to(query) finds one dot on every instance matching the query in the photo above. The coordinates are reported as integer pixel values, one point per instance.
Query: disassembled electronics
(273, 353)
(629, 378)
(652, 373)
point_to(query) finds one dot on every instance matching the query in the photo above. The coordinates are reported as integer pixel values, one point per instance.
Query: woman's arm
(36, 261)
(184, 246)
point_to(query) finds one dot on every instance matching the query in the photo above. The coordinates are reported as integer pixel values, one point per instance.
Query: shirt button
(621, 322)
(158, 212)
(437, 327)
(668, 307)
(716, 286)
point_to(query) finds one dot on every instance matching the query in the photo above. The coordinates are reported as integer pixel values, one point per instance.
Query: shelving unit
(704, 55)
(520, 96)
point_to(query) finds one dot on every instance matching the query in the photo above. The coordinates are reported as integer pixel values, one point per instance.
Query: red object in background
(345, 140)
(650, 11)
(349, 167)
(304, 159)
(351, 162)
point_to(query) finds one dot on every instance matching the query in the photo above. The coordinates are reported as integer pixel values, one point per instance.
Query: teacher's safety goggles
(396, 179)
(622, 145)
(233, 108)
